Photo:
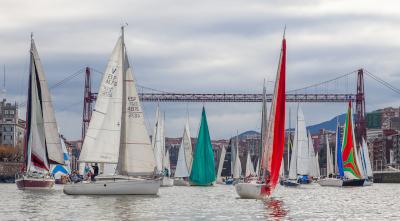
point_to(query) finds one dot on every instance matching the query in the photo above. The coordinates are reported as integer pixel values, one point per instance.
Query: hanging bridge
(323, 92)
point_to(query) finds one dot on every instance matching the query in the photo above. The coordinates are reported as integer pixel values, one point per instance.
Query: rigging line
(383, 82)
(321, 83)
(68, 78)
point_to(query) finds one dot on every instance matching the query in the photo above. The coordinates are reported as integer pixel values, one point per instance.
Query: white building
(11, 127)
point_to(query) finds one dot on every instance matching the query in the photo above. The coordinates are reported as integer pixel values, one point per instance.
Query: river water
(377, 202)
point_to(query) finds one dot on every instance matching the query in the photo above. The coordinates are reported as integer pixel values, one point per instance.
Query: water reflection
(275, 209)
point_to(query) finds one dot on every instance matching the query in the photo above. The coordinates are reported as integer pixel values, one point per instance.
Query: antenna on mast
(4, 80)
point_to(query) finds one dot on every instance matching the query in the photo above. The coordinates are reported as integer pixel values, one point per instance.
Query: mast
(122, 151)
(263, 130)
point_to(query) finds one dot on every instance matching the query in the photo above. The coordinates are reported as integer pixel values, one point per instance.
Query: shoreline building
(11, 127)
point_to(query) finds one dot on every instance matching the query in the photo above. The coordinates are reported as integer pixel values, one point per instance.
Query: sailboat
(330, 179)
(272, 149)
(291, 180)
(184, 163)
(302, 164)
(366, 163)
(167, 181)
(227, 165)
(352, 174)
(117, 135)
(249, 167)
(237, 164)
(203, 169)
(160, 155)
(220, 165)
(42, 144)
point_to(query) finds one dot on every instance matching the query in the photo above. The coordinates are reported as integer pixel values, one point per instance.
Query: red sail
(276, 131)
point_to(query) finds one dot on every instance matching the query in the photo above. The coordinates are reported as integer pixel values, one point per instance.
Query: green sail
(203, 169)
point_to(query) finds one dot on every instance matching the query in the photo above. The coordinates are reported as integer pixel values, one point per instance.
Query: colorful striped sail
(350, 166)
(275, 135)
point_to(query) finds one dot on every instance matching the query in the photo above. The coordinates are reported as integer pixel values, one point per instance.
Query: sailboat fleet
(117, 138)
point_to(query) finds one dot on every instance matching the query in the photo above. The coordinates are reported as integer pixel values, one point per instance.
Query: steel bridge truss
(244, 98)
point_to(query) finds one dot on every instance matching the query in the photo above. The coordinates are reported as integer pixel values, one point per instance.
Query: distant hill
(328, 125)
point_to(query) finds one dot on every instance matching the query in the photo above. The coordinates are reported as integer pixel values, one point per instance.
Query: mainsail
(350, 166)
(366, 160)
(249, 167)
(184, 162)
(203, 169)
(275, 136)
(117, 131)
(329, 159)
(221, 163)
(42, 142)
(302, 145)
(157, 141)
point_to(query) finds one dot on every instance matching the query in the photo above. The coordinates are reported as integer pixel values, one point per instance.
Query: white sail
(312, 161)
(317, 165)
(103, 137)
(366, 159)
(249, 167)
(359, 163)
(303, 156)
(221, 163)
(237, 167)
(258, 167)
(187, 141)
(157, 141)
(184, 162)
(167, 164)
(36, 144)
(329, 158)
(293, 159)
(136, 153)
(282, 170)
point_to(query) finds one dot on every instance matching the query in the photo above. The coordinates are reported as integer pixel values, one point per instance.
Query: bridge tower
(88, 100)
(361, 129)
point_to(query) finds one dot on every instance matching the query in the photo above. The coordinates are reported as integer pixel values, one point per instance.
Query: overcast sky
(204, 46)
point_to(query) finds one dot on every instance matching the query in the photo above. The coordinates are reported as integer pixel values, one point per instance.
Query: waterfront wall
(387, 177)
(8, 171)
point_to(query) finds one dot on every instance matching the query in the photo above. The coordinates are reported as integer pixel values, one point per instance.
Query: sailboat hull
(32, 183)
(167, 182)
(368, 183)
(117, 187)
(330, 182)
(353, 182)
(249, 190)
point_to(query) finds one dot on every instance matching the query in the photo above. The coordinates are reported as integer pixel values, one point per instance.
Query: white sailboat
(329, 180)
(117, 135)
(220, 165)
(237, 165)
(184, 163)
(249, 167)
(368, 174)
(42, 144)
(167, 181)
(313, 160)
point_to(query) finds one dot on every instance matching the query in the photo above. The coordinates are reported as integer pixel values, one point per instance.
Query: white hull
(368, 183)
(181, 182)
(114, 187)
(167, 182)
(249, 190)
(330, 182)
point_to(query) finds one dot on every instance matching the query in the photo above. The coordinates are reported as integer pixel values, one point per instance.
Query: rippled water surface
(377, 202)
